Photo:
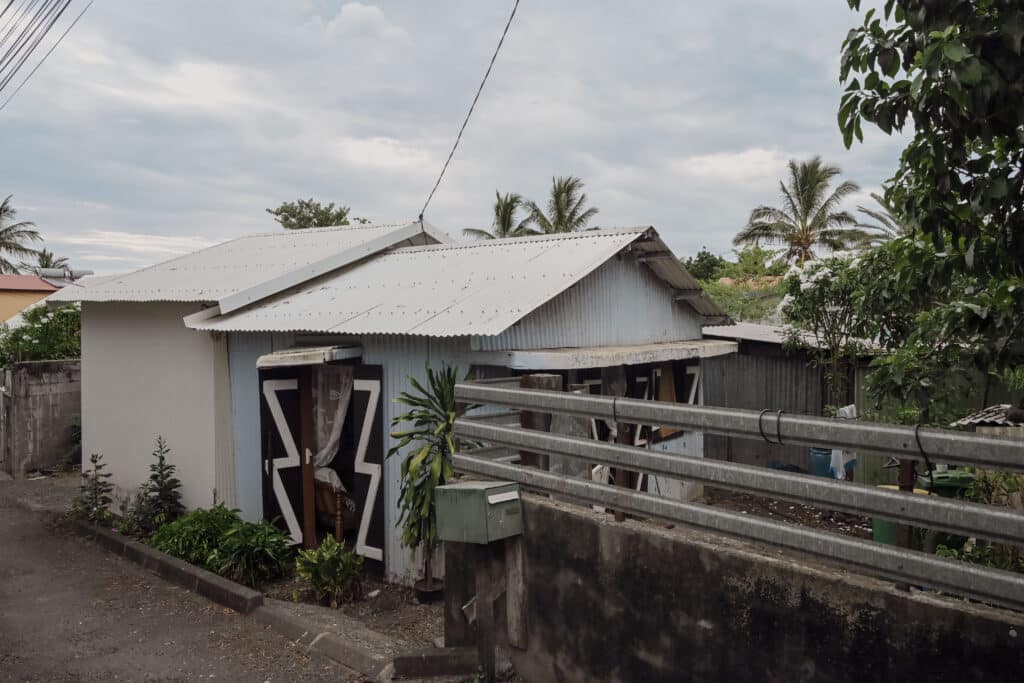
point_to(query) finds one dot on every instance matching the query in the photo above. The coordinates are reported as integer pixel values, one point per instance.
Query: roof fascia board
(325, 265)
(599, 357)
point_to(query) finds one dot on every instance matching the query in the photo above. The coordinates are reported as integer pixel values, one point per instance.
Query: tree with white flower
(820, 313)
(43, 334)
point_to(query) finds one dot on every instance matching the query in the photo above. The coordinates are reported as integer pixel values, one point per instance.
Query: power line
(35, 43)
(52, 48)
(7, 7)
(17, 20)
(26, 31)
(30, 38)
(470, 112)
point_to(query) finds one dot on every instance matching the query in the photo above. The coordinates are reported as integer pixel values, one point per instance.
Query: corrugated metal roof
(769, 334)
(25, 283)
(477, 288)
(227, 268)
(995, 416)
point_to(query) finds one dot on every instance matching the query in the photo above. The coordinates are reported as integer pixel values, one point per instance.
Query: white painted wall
(143, 374)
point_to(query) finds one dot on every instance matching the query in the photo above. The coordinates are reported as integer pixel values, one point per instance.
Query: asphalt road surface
(71, 611)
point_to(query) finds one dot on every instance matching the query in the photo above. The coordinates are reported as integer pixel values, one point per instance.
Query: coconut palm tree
(566, 212)
(14, 236)
(45, 259)
(506, 220)
(810, 217)
(885, 226)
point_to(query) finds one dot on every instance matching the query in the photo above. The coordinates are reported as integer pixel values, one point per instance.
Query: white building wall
(145, 374)
(620, 303)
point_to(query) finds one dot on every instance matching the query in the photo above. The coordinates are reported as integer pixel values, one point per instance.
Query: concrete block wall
(38, 404)
(632, 601)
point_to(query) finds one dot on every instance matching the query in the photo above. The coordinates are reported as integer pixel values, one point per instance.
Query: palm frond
(477, 232)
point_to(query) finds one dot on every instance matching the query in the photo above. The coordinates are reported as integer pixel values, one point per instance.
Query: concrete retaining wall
(39, 402)
(638, 602)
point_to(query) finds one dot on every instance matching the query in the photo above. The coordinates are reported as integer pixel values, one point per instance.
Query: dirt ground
(386, 608)
(71, 611)
(790, 513)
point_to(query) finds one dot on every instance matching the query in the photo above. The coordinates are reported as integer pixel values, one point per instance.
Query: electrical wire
(9, 3)
(470, 112)
(17, 19)
(48, 52)
(35, 39)
(28, 32)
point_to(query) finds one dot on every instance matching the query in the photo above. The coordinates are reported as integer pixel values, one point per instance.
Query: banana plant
(428, 464)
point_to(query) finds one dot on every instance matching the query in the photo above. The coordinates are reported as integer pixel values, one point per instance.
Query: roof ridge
(326, 228)
(553, 237)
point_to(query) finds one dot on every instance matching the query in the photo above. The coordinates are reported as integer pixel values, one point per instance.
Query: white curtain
(332, 394)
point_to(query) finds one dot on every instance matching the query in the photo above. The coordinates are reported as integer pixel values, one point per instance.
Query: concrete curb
(324, 643)
(229, 594)
(211, 586)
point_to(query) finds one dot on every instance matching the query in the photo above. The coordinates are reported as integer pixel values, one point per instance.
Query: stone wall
(638, 602)
(39, 402)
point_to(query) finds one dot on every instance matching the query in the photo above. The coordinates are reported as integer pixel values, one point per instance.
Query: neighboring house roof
(993, 416)
(765, 334)
(473, 288)
(25, 283)
(246, 269)
(743, 331)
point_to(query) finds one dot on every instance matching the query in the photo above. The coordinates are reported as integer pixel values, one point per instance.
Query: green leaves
(432, 414)
(334, 572)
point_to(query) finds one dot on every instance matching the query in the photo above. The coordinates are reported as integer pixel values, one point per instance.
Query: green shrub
(196, 535)
(251, 553)
(95, 494)
(334, 572)
(162, 489)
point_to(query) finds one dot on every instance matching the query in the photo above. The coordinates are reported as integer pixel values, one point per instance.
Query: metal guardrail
(993, 523)
(939, 444)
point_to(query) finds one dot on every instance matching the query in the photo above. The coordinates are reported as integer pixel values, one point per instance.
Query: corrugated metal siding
(757, 382)
(620, 303)
(402, 357)
(243, 350)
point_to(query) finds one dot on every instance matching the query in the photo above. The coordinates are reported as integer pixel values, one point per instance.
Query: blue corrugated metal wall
(620, 303)
(243, 350)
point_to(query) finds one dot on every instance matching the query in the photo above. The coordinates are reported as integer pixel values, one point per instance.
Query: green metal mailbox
(478, 511)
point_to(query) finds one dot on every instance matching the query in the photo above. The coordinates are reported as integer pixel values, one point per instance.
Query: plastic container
(821, 462)
(948, 484)
(883, 530)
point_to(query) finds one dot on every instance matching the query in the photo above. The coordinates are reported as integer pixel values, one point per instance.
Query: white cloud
(755, 166)
(366, 22)
(154, 123)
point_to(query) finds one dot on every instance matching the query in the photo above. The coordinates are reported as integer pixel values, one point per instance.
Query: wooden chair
(332, 511)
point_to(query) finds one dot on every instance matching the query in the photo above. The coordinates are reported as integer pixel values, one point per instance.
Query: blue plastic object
(821, 462)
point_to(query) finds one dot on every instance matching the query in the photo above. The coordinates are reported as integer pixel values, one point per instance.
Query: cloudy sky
(160, 127)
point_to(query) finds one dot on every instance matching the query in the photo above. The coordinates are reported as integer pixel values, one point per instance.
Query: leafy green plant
(251, 553)
(73, 455)
(334, 572)
(194, 536)
(163, 488)
(432, 414)
(95, 494)
(45, 334)
(820, 308)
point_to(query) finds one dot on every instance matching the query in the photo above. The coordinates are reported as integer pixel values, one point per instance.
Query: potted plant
(427, 465)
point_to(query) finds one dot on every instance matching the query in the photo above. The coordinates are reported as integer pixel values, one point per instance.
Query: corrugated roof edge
(73, 294)
(682, 279)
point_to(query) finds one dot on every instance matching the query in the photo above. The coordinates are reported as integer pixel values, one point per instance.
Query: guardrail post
(537, 421)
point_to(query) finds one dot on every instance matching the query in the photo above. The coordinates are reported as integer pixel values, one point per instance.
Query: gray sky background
(161, 127)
